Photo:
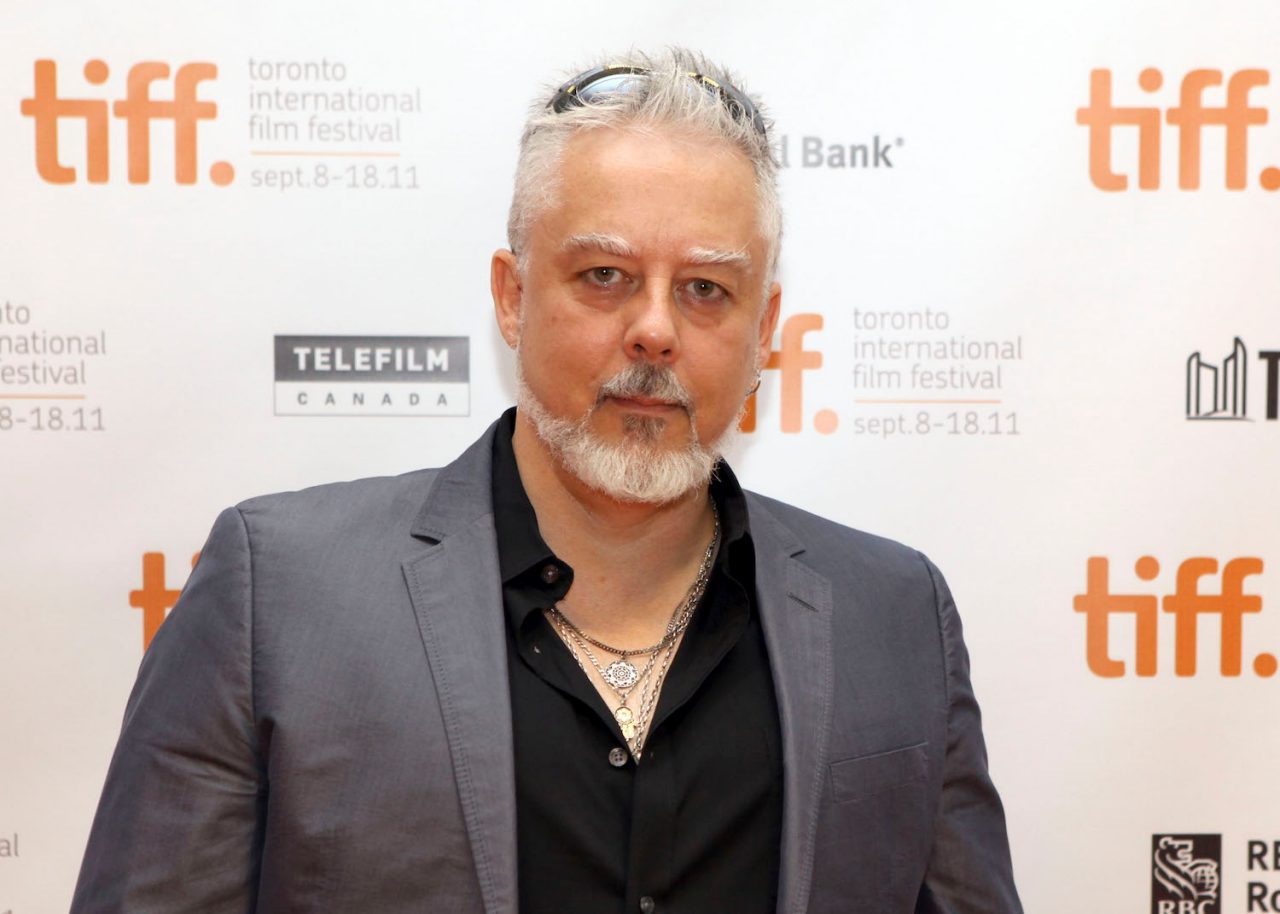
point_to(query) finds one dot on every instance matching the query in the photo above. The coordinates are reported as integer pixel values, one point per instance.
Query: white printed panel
(1029, 327)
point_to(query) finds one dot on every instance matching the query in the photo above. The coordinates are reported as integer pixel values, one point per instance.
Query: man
(578, 669)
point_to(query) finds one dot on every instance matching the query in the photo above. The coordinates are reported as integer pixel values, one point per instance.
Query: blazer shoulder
(343, 509)
(825, 541)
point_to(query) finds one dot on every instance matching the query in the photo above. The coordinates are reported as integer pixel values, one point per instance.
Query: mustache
(644, 379)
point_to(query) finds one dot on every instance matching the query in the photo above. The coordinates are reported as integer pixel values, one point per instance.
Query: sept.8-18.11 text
(51, 419)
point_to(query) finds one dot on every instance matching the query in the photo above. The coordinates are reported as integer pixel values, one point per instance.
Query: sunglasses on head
(600, 82)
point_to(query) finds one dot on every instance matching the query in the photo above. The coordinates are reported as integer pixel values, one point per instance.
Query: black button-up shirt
(695, 826)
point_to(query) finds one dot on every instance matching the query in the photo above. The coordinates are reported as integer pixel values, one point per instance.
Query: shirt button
(618, 758)
(550, 574)
(646, 905)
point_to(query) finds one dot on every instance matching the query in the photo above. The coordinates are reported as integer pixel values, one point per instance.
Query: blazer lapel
(795, 611)
(457, 598)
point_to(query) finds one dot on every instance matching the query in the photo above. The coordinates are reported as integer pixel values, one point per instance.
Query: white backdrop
(138, 391)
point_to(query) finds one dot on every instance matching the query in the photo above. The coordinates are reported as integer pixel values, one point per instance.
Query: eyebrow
(599, 241)
(714, 255)
(620, 247)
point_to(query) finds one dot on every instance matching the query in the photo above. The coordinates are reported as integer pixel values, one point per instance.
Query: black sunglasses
(587, 87)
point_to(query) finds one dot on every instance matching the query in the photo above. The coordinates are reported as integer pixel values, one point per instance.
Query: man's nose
(651, 332)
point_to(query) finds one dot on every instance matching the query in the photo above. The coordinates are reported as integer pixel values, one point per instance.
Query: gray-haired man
(579, 669)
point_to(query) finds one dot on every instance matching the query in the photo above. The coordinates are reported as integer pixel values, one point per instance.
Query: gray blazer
(323, 723)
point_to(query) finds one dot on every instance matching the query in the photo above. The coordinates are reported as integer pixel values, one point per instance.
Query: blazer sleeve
(179, 825)
(970, 870)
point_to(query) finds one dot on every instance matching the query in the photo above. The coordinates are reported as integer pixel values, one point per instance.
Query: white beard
(637, 468)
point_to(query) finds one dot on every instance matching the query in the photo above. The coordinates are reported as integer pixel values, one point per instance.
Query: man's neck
(632, 561)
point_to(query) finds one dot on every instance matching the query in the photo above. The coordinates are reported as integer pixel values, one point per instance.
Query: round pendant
(629, 730)
(620, 674)
(623, 715)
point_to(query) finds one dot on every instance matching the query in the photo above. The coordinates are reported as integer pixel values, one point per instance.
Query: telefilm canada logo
(372, 376)
(1186, 874)
(1219, 390)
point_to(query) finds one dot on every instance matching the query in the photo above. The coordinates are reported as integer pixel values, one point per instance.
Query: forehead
(657, 189)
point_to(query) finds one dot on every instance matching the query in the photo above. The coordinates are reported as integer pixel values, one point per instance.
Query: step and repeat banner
(1030, 327)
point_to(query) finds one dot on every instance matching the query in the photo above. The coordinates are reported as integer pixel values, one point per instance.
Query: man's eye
(604, 276)
(705, 290)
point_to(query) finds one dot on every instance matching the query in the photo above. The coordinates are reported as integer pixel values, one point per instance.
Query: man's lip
(645, 404)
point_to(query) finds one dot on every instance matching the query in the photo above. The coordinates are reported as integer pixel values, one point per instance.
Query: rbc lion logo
(1185, 877)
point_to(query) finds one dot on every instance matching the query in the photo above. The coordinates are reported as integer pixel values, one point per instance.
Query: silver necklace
(621, 675)
(634, 724)
(622, 713)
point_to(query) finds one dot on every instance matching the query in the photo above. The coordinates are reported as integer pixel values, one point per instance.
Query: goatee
(637, 468)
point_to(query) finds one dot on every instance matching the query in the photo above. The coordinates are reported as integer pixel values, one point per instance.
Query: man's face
(652, 256)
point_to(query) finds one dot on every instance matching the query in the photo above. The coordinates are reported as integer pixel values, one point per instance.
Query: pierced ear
(508, 293)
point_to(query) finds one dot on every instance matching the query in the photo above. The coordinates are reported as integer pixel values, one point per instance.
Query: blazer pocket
(858, 778)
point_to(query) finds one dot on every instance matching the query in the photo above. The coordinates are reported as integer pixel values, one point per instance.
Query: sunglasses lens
(606, 86)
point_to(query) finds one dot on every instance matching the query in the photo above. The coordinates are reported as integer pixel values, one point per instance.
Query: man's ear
(504, 283)
(769, 322)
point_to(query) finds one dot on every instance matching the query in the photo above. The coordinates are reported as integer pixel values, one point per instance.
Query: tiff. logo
(155, 598)
(1186, 605)
(1189, 117)
(1222, 391)
(791, 360)
(137, 109)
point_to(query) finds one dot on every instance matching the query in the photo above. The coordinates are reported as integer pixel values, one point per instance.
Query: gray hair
(660, 100)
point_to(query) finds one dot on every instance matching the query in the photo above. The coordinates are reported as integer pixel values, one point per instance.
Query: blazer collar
(462, 493)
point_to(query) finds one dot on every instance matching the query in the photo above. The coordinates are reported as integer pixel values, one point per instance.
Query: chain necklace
(633, 724)
(621, 675)
(649, 701)
(575, 643)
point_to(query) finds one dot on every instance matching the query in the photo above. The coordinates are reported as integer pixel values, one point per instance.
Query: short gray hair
(662, 99)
